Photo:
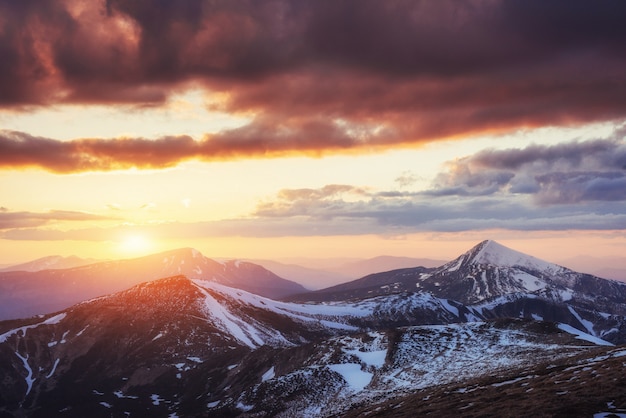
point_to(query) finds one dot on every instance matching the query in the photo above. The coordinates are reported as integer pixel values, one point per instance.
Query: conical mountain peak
(493, 253)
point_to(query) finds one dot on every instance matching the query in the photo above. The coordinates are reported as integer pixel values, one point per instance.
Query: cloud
(566, 173)
(406, 179)
(361, 218)
(13, 220)
(558, 188)
(319, 77)
(576, 185)
(20, 150)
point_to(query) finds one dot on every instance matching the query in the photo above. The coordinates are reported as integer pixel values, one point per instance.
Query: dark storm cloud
(326, 77)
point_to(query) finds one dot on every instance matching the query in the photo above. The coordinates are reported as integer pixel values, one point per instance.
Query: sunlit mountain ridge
(24, 293)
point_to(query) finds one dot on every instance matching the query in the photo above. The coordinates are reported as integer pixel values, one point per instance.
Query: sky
(282, 129)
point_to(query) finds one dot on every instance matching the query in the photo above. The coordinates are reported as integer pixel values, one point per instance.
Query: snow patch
(29, 377)
(244, 407)
(371, 358)
(50, 321)
(446, 304)
(333, 315)
(356, 378)
(120, 395)
(529, 282)
(582, 335)
(54, 367)
(510, 382)
(456, 266)
(587, 324)
(231, 324)
(270, 374)
(566, 294)
(79, 333)
(156, 399)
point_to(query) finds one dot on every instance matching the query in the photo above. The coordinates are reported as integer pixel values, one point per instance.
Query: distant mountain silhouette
(25, 293)
(50, 262)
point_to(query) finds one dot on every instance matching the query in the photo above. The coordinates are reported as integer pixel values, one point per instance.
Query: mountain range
(322, 273)
(50, 262)
(26, 293)
(451, 340)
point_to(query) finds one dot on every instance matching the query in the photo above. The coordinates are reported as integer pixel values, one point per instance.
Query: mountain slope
(50, 262)
(395, 281)
(590, 384)
(162, 335)
(25, 294)
(343, 373)
(360, 268)
(199, 348)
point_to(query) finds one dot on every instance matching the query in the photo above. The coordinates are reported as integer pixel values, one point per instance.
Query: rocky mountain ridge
(492, 281)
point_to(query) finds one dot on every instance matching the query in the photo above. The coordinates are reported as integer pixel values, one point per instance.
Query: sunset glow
(135, 244)
(283, 129)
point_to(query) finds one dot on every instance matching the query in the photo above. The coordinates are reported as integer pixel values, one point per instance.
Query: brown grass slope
(580, 386)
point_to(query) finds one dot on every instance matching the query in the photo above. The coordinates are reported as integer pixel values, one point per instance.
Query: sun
(133, 244)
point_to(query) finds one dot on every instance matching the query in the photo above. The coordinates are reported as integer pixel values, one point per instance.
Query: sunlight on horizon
(135, 244)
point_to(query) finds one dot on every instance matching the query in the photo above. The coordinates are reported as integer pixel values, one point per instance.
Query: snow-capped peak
(494, 253)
